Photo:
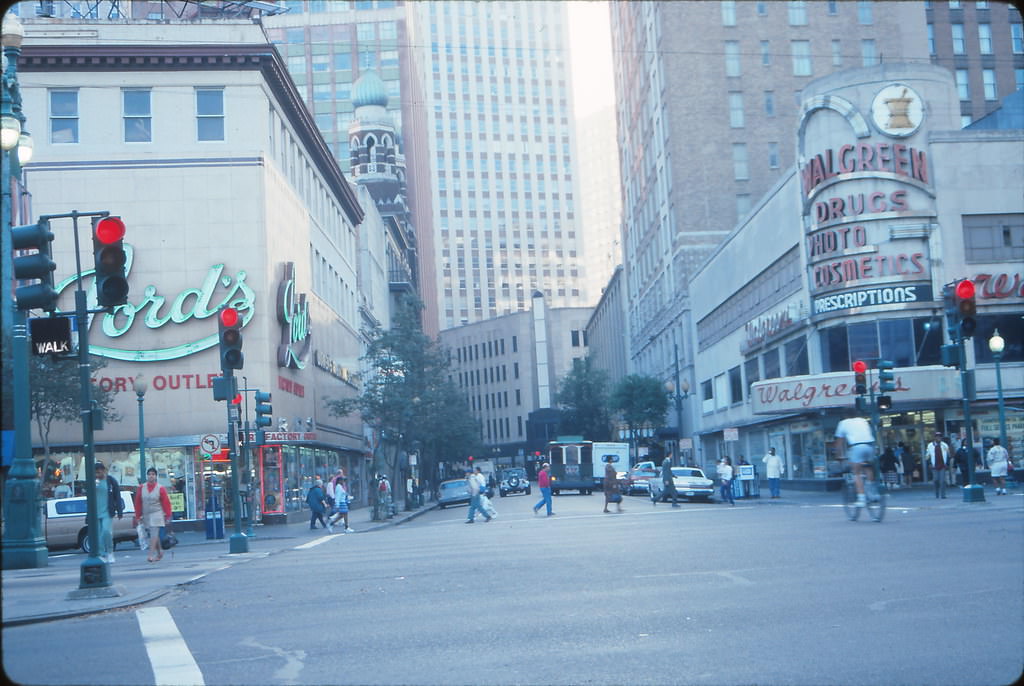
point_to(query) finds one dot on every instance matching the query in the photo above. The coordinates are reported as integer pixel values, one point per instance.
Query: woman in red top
(153, 509)
(544, 484)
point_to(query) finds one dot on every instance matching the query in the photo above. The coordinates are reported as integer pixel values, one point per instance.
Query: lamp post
(23, 543)
(679, 391)
(141, 386)
(995, 345)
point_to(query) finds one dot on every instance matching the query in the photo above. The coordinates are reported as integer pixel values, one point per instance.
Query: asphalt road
(759, 593)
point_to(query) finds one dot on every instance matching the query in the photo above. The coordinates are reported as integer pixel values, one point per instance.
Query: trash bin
(214, 519)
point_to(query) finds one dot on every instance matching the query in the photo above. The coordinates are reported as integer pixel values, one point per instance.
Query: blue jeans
(474, 507)
(545, 499)
(106, 533)
(773, 485)
(726, 491)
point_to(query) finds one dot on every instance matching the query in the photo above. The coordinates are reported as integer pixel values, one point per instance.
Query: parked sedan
(65, 523)
(453, 492)
(690, 483)
(639, 477)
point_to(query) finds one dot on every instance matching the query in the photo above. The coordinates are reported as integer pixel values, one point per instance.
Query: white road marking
(315, 542)
(169, 656)
(293, 660)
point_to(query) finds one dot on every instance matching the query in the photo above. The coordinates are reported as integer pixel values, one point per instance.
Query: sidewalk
(39, 595)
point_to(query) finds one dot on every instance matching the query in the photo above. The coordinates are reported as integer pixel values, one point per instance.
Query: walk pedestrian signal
(110, 261)
(229, 323)
(224, 387)
(860, 379)
(884, 402)
(38, 265)
(967, 307)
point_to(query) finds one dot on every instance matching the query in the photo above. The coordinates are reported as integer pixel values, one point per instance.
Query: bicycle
(874, 490)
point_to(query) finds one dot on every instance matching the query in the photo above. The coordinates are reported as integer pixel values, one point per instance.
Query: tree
(407, 399)
(55, 395)
(641, 402)
(583, 402)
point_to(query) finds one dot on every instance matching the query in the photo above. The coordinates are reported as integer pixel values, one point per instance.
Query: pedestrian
(938, 457)
(477, 485)
(486, 491)
(612, 490)
(108, 504)
(668, 484)
(888, 465)
(774, 469)
(315, 499)
(725, 479)
(960, 460)
(998, 461)
(901, 471)
(340, 511)
(544, 484)
(153, 509)
(63, 491)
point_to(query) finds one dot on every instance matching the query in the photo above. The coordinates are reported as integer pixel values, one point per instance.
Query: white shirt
(997, 454)
(855, 430)
(724, 471)
(773, 466)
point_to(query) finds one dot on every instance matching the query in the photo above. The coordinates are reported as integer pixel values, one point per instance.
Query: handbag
(615, 497)
(168, 540)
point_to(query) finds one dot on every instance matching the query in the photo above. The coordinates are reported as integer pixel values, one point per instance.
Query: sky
(590, 43)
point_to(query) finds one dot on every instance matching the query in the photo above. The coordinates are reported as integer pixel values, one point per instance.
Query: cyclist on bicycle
(858, 444)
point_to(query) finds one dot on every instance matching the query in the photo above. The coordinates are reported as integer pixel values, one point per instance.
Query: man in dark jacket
(109, 504)
(315, 499)
(668, 485)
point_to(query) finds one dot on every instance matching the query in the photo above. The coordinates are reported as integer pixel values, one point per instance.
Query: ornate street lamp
(995, 345)
(141, 386)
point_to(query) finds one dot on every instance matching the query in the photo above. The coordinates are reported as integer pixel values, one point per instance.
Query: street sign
(731, 434)
(209, 444)
(686, 443)
(50, 335)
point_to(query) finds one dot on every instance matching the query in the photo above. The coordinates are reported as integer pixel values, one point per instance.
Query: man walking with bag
(476, 485)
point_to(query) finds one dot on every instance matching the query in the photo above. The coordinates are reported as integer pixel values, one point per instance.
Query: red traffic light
(860, 366)
(109, 230)
(965, 289)
(237, 400)
(229, 316)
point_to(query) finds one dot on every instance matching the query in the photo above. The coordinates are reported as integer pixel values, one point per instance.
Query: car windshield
(454, 485)
(688, 472)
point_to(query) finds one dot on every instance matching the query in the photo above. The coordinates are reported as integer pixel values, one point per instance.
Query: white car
(65, 523)
(690, 483)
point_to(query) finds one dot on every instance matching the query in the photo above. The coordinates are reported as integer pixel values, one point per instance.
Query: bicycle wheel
(876, 500)
(850, 498)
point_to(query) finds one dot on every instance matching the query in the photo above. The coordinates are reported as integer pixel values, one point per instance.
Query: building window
(1018, 77)
(736, 110)
(769, 103)
(138, 120)
(742, 205)
(988, 78)
(962, 90)
(64, 116)
(751, 371)
(388, 30)
(896, 341)
(342, 61)
(954, 4)
(210, 114)
(772, 367)
(864, 12)
(833, 7)
(837, 54)
(931, 39)
(762, 8)
(707, 396)
(728, 12)
(1017, 38)
(739, 162)
(863, 339)
(959, 47)
(965, 121)
(867, 53)
(981, 5)
(365, 32)
(994, 237)
(766, 52)
(736, 385)
(575, 336)
(773, 155)
(985, 38)
(796, 357)
(801, 57)
(797, 13)
(732, 58)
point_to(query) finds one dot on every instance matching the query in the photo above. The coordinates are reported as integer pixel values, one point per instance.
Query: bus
(578, 465)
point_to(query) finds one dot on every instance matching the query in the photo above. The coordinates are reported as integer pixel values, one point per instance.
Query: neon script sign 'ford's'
(218, 289)
(293, 314)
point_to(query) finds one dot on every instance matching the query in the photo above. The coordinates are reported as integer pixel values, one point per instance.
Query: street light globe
(25, 148)
(996, 343)
(141, 385)
(10, 131)
(685, 386)
(670, 387)
(13, 31)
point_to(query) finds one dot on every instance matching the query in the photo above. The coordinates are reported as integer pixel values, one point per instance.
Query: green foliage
(407, 398)
(583, 402)
(641, 402)
(55, 394)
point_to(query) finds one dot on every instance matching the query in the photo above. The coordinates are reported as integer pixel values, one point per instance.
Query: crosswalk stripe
(169, 656)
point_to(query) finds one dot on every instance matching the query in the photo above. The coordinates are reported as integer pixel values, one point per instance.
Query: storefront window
(896, 341)
(796, 357)
(772, 366)
(927, 340)
(807, 455)
(835, 356)
(307, 472)
(293, 492)
(863, 341)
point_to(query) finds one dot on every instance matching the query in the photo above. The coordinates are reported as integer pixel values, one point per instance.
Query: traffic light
(860, 379)
(38, 265)
(967, 307)
(110, 260)
(950, 355)
(229, 323)
(884, 402)
(224, 388)
(264, 410)
(886, 379)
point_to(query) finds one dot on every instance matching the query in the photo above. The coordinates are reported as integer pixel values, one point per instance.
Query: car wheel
(441, 505)
(83, 541)
(527, 490)
(502, 493)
